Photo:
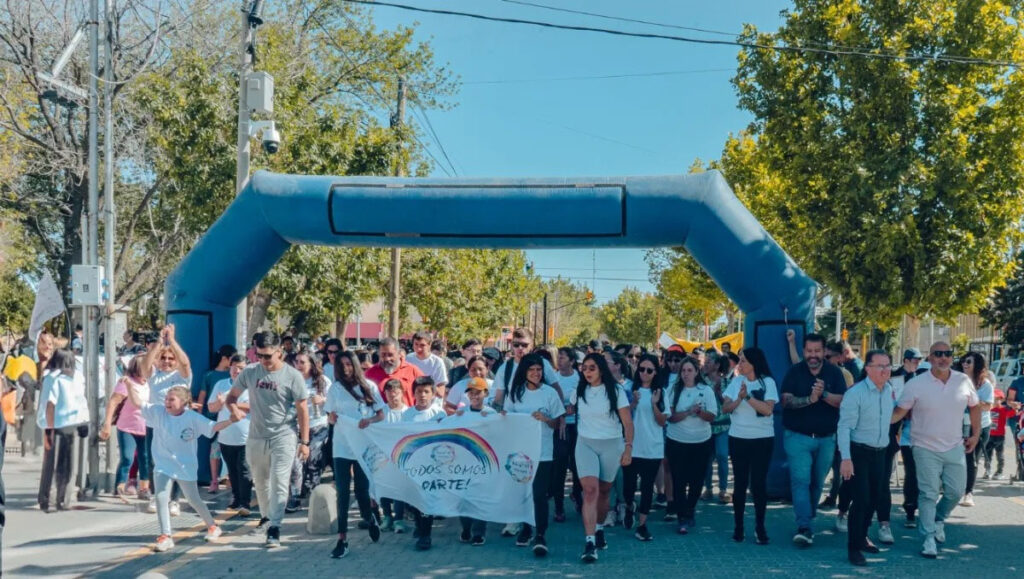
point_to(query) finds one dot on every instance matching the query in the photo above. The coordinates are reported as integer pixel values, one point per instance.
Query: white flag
(667, 341)
(48, 305)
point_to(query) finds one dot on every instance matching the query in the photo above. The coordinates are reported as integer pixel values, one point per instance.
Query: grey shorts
(599, 457)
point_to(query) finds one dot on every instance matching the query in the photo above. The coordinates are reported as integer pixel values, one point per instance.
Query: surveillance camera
(271, 140)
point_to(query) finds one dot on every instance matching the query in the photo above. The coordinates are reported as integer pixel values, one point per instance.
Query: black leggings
(541, 483)
(689, 463)
(238, 473)
(343, 474)
(972, 459)
(750, 460)
(647, 470)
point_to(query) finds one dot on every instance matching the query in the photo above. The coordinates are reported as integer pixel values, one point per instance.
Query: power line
(831, 50)
(619, 18)
(596, 77)
(588, 269)
(433, 133)
(567, 277)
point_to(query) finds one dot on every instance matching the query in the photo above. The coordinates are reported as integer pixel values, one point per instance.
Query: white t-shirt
(546, 400)
(317, 415)
(342, 403)
(550, 376)
(68, 397)
(985, 394)
(692, 429)
(568, 385)
(44, 393)
(175, 440)
(433, 366)
(392, 415)
(238, 433)
(648, 436)
(432, 412)
(745, 422)
(457, 394)
(594, 418)
(161, 382)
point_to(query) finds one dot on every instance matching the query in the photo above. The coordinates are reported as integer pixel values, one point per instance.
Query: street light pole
(109, 219)
(396, 252)
(242, 165)
(90, 347)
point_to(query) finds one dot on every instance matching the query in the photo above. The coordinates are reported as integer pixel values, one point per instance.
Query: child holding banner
(529, 395)
(425, 411)
(475, 388)
(394, 511)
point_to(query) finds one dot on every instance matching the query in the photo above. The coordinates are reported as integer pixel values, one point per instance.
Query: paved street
(109, 540)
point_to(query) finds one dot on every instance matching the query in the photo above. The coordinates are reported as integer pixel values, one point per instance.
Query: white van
(1007, 370)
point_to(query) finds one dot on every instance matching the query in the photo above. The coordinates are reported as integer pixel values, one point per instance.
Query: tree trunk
(912, 333)
(260, 302)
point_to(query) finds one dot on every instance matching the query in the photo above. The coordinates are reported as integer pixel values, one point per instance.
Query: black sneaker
(261, 527)
(374, 529)
(423, 543)
(643, 534)
(523, 539)
(464, 536)
(828, 503)
(627, 519)
(670, 512)
(600, 541)
(340, 549)
(234, 506)
(911, 522)
(540, 546)
(589, 553)
(363, 525)
(477, 541)
(762, 535)
(804, 537)
(273, 537)
(294, 505)
(660, 501)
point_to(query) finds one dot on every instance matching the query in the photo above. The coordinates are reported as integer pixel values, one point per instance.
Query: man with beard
(811, 394)
(392, 365)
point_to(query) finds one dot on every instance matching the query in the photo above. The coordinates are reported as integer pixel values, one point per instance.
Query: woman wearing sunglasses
(649, 418)
(973, 364)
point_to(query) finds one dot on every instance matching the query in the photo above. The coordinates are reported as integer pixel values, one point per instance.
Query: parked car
(1007, 370)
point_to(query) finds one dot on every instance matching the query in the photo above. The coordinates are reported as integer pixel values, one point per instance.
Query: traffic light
(845, 334)
(590, 297)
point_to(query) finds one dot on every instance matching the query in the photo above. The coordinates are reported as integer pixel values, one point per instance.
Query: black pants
(475, 527)
(972, 459)
(238, 473)
(837, 481)
(884, 510)
(564, 458)
(424, 523)
(910, 489)
(689, 463)
(541, 484)
(750, 460)
(344, 472)
(995, 444)
(866, 486)
(57, 464)
(646, 469)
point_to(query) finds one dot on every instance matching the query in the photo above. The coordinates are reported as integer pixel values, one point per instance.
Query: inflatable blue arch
(699, 212)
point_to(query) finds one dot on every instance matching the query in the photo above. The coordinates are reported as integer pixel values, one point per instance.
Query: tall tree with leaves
(898, 182)
(633, 317)
(1005, 310)
(572, 316)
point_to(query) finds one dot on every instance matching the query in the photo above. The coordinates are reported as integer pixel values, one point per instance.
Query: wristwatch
(824, 394)
(304, 442)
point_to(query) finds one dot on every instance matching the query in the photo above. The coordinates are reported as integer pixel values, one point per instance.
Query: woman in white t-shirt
(622, 372)
(529, 395)
(974, 365)
(602, 417)
(691, 408)
(750, 400)
(317, 384)
(565, 438)
(649, 418)
(354, 397)
(233, 438)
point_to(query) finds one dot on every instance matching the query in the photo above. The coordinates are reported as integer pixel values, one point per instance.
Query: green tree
(633, 317)
(687, 292)
(571, 313)
(1005, 310)
(898, 183)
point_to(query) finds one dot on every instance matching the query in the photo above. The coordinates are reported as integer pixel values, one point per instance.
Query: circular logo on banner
(519, 467)
(374, 457)
(443, 454)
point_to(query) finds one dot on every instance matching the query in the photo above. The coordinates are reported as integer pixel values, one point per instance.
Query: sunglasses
(942, 353)
(588, 367)
(645, 370)
(266, 357)
(332, 352)
(634, 356)
(520, 344)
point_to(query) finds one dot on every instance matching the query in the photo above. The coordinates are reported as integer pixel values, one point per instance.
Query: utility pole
(109, 221)
(839, 317)
(396, 253)
(545, 340)
(251, 18)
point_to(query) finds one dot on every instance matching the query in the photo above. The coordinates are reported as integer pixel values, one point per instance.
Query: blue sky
(515, 117)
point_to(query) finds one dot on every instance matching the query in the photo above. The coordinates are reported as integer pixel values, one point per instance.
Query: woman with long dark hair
(691, 408)
(131, 428)
(529, 395)
(716, 370)
(649, 418)
(354, 397)
(974, 365)
(602, 416)
(317, 384)
(622, 372)
(565, 438)
(750, 400)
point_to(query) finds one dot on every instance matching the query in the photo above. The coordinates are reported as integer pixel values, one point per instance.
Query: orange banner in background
(735, 342)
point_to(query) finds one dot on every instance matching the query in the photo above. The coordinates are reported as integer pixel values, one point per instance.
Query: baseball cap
(912, 354)
(477, 384)
(492, 353)
(676, 348)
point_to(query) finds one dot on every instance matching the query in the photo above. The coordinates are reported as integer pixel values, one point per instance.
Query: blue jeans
(129, 443)
(719, 452)
(809, 459)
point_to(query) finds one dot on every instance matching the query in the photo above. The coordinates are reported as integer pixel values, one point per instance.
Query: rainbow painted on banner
(463, 437)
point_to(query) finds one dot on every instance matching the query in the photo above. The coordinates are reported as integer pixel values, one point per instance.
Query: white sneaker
(164, 543)
(175, 509)
(940, 531)
(213, 533)
(511, 530)
(928, 549)
(885, 535)
(968, 500)
(841, 524)
(151, 507)
(609, 520)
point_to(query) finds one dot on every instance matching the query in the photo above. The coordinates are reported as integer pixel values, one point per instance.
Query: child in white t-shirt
(474, 530)
(394, 511)
(176, 432)
(423, 394)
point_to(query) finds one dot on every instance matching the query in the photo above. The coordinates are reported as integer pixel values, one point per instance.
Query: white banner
(48, 305)
(471, 466)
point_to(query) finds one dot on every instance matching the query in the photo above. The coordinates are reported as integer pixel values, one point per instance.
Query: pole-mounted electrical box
(88, 286)
(259, 93)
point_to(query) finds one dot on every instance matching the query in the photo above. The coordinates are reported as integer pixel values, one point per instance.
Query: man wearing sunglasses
(938, 399)
(278, 428)
(522, 344)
